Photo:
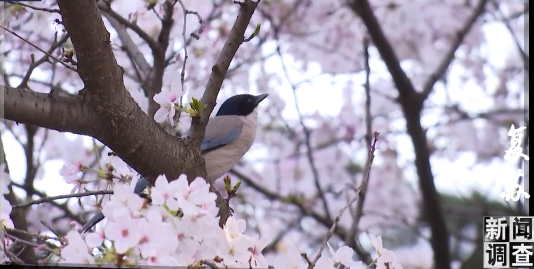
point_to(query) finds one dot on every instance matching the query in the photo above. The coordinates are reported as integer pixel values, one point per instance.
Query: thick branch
(412, 103)
(97, 65)
(126, 129)
(220, 68)
(65, 114)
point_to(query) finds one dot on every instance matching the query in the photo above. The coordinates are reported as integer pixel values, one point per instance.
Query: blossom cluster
(179, 226)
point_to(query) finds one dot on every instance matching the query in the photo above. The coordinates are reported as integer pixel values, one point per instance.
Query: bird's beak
(260, 98)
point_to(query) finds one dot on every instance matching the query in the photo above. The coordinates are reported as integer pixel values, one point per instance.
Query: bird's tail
(141, 185)
(93, 221)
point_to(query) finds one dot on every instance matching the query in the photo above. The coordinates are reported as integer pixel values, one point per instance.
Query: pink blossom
(123, 232)
(69, 170)
(167, 101)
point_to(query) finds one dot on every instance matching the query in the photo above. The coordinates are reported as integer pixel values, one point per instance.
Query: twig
(134, 27)
(186, 55)
(28, 243)
(307, 136)
(172, 57)
(13, 257)
(220, 68)
(193, 34)
(218, 73)
(360, 189)
(368, 126)
(41, 50)
(66, 196)
(34, 8)
(129, 46)
(39, 236)
(358, 213)
(63, 207)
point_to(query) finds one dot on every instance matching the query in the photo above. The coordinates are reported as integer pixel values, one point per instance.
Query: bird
(228, 136)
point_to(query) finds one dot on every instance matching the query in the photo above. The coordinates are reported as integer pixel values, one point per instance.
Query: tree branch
(220, 68)
(449, 56)
(411, 103)
(48, 199)
(218, 74)
(61, 113)
(61, 206)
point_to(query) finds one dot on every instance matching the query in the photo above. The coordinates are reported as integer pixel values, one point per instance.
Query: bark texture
(105, 110)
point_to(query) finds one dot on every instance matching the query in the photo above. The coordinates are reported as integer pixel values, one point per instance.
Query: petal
(161, 182)
(162, 97)
(331, 250)
(161, 115)
(69, 169)
(93, 240)
(377, 243)
(172, 112)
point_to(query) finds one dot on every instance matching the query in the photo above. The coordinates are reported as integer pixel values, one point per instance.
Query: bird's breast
(220, 161)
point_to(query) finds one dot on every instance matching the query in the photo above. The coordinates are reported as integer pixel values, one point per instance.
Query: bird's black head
(240, 105)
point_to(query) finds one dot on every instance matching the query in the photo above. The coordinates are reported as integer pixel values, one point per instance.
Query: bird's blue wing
(220, 131)
(141, 185)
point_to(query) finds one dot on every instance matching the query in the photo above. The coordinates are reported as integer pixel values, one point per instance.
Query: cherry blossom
(76, 250)
(167, 100)
(342, 256)
(165, 193)
(154, 236)
(194, 197)
(123, 232)
(257, 259)
(386, 258)
(69, 170)
(291, 260)
(234, 228)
